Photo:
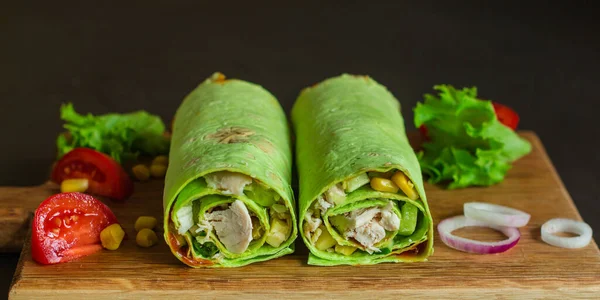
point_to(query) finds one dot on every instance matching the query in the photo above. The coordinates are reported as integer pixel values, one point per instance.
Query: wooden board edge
(554, 172)
(534, 138)
(499, 293)
(557, 178)
(15, 216)
(18, 270)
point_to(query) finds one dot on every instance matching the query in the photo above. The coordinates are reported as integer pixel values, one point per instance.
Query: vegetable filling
(338, 222)
(229, 215)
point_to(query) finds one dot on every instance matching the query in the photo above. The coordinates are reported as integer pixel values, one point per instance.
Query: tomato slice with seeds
(67, 226)
(106, 176)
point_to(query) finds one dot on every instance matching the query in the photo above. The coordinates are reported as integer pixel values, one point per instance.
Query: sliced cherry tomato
(106, 177)
(506, 115)
(67, 226)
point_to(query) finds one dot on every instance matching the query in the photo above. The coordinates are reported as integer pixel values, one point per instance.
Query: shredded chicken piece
(361, 217)
(368, 226)
(313, 223)
(368, 235)
(323, 204)
(228, 182)
(233, 226)
(389, 220)
(205, 226)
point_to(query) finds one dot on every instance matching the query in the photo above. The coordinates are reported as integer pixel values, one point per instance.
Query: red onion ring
(566, 225)
(446, 227)
(494, 214)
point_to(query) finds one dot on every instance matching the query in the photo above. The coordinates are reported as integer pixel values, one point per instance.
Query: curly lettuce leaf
(122, 136)
(467, 144)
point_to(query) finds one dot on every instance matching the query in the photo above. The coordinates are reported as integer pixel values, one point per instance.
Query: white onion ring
(566, 225)
(446, 227)
(494, 214)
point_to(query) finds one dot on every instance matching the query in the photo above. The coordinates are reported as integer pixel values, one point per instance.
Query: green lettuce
(122, 136)
(467, 143)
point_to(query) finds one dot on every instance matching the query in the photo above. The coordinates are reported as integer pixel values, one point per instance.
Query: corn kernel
(325, 240)
(112, 236)
(345, 250)
(160, 160)
(146, 238)
(145, 222)
(158, 171)
(405, 185)
(141, 172)
(74, 185)
(383, 185)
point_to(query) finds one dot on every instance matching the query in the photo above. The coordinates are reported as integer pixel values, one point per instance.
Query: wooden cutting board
(532, 269)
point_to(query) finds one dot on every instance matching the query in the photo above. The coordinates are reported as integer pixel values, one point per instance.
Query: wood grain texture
(531, 270)
(17, 205)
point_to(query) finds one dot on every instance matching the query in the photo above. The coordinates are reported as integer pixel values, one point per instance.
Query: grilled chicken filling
(365, 226)
(234, 224)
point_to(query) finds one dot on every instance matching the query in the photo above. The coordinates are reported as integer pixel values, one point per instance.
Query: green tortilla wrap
(361, 191)
(227, 197)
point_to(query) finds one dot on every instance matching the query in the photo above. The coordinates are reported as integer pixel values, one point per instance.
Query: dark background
(542, 59)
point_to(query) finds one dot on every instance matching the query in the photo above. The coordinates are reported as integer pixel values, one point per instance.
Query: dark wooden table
(541, 59)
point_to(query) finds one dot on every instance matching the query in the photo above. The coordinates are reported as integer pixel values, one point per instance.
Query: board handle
(17, 205)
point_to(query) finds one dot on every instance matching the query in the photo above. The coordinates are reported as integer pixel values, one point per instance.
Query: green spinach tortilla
(361, 197)
(227, 196)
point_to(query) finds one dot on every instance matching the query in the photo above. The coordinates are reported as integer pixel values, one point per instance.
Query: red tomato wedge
(67, 226)
(506, 115)
(106, 176)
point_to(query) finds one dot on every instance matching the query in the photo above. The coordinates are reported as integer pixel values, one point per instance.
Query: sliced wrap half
(227, 197)
(361, 191)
